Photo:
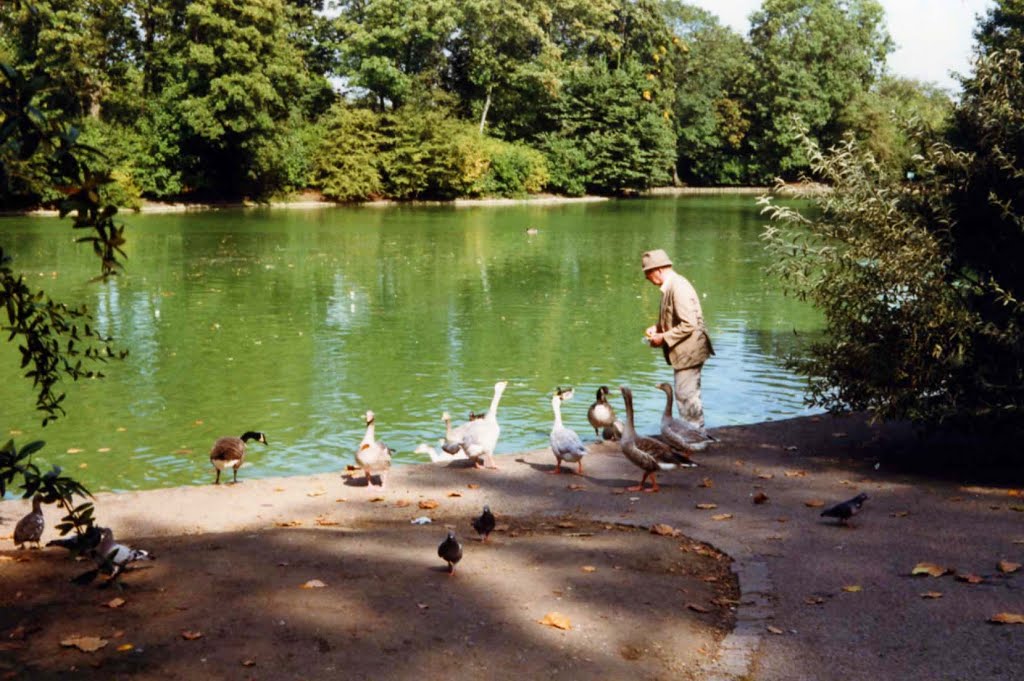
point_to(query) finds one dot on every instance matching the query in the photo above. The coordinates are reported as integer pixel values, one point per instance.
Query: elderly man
(680, 333)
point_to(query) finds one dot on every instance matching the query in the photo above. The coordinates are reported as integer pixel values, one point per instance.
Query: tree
(810, 57)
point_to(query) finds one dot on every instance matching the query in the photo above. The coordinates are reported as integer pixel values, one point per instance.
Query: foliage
(345, 168)
(512, 170)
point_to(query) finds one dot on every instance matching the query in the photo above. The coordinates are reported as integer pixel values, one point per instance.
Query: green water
(295, 322)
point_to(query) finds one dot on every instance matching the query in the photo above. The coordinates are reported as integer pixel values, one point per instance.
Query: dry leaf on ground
(970, 578)
(402, 503)
(115, 602)
(566, 524)
(795, 474)
(814, 503)
(455, 494)
(317, 493)
(428, 504)
(760, 498)
(1007, 618)
(125, 647)
(557, 620)
(87, 644)
(576, 488)
(707, 507)
(664, 530)
(697, 607)
(929, 569)
(248, 663)
(191, 634)
(814, 600)
(313, 584)
(588, 568)
(722, 516)
(287, 523)
(766, 476)
(774, 630)
(932, 594)
(852, 588)
(706, 483)
(326, 522)
(472, 485)
(1008, 567)
(899, 514)
(376, 499)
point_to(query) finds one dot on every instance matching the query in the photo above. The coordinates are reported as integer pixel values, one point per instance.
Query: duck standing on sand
(29, 529)
(373, 456)
(602, 416)
(650, 455)
(481, 435)
(230, 452)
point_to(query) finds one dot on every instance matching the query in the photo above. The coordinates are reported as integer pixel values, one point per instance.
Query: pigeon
(79, 544)
(484, 525)
(847, 509)
(111, 558)
(451, 551)
(29, 529)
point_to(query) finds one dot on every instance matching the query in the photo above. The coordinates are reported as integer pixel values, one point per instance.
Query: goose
(453, 436)
(484, 525)
(436, 456)
(450, 551)
(29, 529)
(648, 454)
(230, 451)
(373, 456)
(481, 435)
(602, 416)
(566, 445)
(679, 433)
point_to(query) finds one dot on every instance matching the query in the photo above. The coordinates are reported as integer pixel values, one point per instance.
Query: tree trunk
(487, 106)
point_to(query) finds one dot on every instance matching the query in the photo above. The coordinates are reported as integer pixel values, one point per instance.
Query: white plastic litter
(422, 520)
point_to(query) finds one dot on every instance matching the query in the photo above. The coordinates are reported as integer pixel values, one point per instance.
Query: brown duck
(650, 455)
(29, 529)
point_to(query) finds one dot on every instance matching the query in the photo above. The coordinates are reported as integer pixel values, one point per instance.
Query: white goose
(679, 433)
(566, 444)
(481, 435)
(373, 456)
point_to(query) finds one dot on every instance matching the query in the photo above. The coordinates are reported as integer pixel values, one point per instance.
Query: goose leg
(558, 468)
(489, 460)
(216, 480)
(234, 477)
(654, 484)
(640, 487)
(580, 471)
(369, 479)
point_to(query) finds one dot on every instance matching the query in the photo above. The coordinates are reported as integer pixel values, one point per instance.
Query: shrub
(345, 161)
(512, 170)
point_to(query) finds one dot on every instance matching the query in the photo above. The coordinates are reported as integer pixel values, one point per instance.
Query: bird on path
(650, 455)
(481, 435)
(845, 510)
(111, 558)
(602, 416)
(230, 452)
(373, 456)
(29, 529)
(566, 444)
(79, 544)
(679, 433)
(450, 550)
(484, 525)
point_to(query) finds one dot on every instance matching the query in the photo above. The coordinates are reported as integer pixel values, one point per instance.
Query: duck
(566, 444)
(29, 529)
(485, 524)
(650, 455)
(450, 551)
(602, 416)
(481, 435)
(230, 451)
(373, 456)
(532, 231)
(679, 433)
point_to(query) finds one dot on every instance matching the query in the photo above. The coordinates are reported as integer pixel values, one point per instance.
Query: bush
(345, 161)
(512, 170)
(427, 154)
(568, 165)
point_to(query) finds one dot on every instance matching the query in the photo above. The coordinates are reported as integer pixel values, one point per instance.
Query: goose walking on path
(566, 445)
(602, 416)
(679, 433)
(650, 455)
(373, 456)
(29, 529)
(230, 452)
(481, 435)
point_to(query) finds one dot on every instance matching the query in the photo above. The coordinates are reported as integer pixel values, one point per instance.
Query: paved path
(795, 620)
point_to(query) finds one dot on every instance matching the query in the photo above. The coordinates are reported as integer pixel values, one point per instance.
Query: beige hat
(652, 260)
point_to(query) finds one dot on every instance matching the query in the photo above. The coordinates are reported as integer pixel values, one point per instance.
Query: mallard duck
(230, 451)
(845, 510)
(566, 445)
(481, 435)
(29, 529)
(450, 551)
(648, 454)
(373, 456)
(679, 433)
(484, 525)
(602, 416)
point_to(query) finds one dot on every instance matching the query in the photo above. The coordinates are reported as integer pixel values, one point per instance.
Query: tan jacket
(681, 320)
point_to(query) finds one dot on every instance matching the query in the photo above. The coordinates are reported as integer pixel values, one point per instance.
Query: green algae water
(295, 322)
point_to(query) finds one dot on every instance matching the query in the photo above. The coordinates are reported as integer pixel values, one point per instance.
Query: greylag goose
(436, 456)
(230, 451)
(679, 433)
(484, 525)
(373, 456)
(566, 445)
(602, 416)
(648, 454)
(846, 510)
(481, 435)
(29, 529)
(450, 551)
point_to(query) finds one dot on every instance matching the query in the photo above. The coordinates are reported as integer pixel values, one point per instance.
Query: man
(680, 333)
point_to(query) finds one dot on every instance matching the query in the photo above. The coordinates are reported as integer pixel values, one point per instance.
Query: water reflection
(295, 323)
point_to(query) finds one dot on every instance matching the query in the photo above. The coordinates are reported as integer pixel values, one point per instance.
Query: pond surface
(295, 322)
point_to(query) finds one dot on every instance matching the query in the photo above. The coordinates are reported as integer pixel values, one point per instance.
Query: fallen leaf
(183, 451)
(566, 524)
(1007, 618)
(766, 476)
(588, 568)
(707, 507)
(313, 584)
(326, 522)
(557, 620)
(376, 499)
(760, 498)
(697, 607)
(472, 485)
(970, 578)
(318, 493)
(814, 600)
(402, 503)
(774, 630)
(1017, 508)
(1008, 567)
(722, 516)
(191, 635)
(932, 594)
(814, 503)
(575, 487)
(103, 450)
(6, 559)
(83, 465)
(852, 588)
(929, 569)
(125, 647)
(428, 504)
(115, 602)
(795, 474)
(248, 663)
(899, 514)
(664, 530)
(422, 606)
(706, 483)
(87, 644)
(455, 494)
(75, 450)
(287, 523)
(279, 489)
(1014, 493)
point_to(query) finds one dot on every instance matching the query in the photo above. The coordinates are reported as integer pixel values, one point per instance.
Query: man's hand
(655, 338)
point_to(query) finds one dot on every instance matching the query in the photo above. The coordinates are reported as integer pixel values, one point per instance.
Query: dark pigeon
(484, 525)
(847, 509)
(451, 551)
(79, 544)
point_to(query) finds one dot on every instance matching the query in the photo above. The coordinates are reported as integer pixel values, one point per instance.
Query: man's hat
(652, 260)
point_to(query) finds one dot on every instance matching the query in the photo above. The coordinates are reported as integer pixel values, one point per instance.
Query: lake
(295, 322)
